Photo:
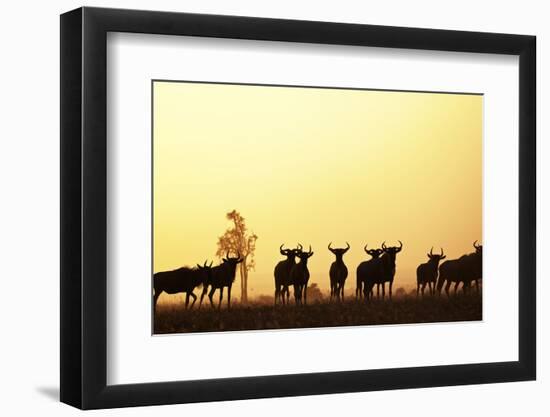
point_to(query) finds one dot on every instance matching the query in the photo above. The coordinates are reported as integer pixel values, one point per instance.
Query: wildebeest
(338, 272)
(463, 270)
(299, 275)
(388, 259)
(282, 273)
(473, 265)
(221, 276)
(375, 254)
(368, 271)
(183, 279)
(426, 273)
(379, 271)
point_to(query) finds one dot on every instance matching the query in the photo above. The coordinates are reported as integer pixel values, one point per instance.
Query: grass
(173, 318)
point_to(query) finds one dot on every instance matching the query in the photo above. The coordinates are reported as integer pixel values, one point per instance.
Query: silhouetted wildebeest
(282, 274)
(388, 258)
(426, 273)
(338, 272)
(221, 276)
(380, 271)
(299, 275)
(473, 265)
(183, 279)
(363, 270)
(463, 270)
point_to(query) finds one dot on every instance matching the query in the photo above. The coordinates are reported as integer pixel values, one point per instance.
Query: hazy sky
(312, 166)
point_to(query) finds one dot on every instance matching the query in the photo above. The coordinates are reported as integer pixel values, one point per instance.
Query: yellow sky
(315, 165)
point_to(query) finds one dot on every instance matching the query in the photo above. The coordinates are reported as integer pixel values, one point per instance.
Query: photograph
(286, 207)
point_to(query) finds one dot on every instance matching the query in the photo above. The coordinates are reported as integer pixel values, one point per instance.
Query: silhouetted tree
(237, 240)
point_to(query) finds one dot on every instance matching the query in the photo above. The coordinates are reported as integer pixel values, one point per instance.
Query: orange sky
(315, 165)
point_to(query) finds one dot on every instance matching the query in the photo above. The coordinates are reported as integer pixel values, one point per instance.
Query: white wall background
(29, 228)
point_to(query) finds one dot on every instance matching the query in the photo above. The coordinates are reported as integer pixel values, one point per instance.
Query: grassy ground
(173, 318)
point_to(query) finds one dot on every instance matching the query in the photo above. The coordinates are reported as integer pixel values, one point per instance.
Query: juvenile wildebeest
(426, 273)
(282, 274)
(183, 279)
(463, 270)
(338, 272)
(299, 275)
(222, 276)
(381, 270)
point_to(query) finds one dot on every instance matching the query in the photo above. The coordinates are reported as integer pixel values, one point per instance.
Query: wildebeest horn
(310, 251)
(329, 245)
(281, 249)
(476, 246)
(384, 244)
(300, 247)
(432, 251)
(400, 245)
(211, 262)
(442, 252)
(365, 248)
(348, 246)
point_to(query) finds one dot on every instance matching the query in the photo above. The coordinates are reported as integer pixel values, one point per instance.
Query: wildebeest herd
(374, 272)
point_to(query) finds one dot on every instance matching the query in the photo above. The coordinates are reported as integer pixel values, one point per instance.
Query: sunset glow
(314, 166)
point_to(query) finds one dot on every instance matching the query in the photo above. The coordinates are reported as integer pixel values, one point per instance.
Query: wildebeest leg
(204, 291)
(342, 290)
(211, 295)
(391, 286)
(456, 285)
(368, 291)
(221, 297)
(383, 289)
(305, 293)
(377, 290)
(447, 286)
(229, 296)
(186, 300)
(277, 292)
(194, 299)
(422, 288)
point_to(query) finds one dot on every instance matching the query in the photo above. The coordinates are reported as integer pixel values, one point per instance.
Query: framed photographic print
(240, 196)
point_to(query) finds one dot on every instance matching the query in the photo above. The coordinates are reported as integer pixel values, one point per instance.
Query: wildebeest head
(392, 250)
(289, 253)
(436, 257)
(205, 271)
(339, 252)
(232, 261)
(304, 256)
(478, 248)
(375, 253)
(298, 250)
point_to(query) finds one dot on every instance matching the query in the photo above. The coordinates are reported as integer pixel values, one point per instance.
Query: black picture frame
(84, 223)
